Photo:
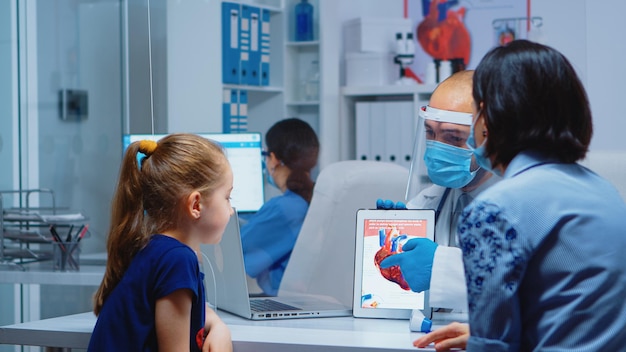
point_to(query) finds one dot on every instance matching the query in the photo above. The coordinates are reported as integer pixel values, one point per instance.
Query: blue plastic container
(304, 21)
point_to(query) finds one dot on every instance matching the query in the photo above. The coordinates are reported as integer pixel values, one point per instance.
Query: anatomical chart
(462, 31)
(443, 34)
(386, 288)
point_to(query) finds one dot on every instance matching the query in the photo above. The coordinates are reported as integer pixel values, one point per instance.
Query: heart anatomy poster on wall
(462, 31)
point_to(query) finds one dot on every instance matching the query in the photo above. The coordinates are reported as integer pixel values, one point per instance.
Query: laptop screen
(244, 154)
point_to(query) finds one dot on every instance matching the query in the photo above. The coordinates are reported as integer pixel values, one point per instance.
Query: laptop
(227, 287)
(383, 293)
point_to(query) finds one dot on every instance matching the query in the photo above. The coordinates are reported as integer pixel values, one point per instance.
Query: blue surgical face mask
(480, 153)
(447, 165)
(270, 179)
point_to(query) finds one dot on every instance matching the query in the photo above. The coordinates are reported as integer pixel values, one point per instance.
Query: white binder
(362, 127)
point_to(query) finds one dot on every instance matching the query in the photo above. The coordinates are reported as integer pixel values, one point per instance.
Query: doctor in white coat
(454, 179)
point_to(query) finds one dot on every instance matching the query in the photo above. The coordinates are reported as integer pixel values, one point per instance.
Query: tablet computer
(383, 293)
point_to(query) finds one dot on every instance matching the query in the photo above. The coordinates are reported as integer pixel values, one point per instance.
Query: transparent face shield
(449, 162)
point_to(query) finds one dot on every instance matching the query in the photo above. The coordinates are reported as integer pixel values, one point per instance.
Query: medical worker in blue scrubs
(269, 235)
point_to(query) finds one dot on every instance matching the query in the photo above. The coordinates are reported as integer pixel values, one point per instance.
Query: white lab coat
(447, 282)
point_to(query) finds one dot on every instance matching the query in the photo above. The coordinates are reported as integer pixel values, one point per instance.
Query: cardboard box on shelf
(371, 69)
(374, 34)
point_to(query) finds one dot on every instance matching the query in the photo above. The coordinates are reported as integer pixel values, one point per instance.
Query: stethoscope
(439, 207)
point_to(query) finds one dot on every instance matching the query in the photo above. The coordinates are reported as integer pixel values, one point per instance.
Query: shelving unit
(194, 71)
(298, 58)
(289, 63)
(259, 89)
(419, 94)
(421, 91)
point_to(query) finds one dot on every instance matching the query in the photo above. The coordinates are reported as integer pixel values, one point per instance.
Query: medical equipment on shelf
(405, 54)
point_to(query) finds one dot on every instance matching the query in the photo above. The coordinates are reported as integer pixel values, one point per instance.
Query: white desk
(42, 274)
(302, 335)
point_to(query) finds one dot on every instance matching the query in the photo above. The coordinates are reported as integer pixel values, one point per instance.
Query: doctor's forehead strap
(460, 118)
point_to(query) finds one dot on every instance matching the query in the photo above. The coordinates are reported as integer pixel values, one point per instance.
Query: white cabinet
(302, 69)
(195, 88)
(417, 94)
(290, 63)
(265, 100)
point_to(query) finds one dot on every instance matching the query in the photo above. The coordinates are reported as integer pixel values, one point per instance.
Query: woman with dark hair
(269, 235)
(543, 248)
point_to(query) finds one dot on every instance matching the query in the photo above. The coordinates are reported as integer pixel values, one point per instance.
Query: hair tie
(147, 146)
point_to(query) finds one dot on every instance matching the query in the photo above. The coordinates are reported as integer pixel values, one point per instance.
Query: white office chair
(610, 165)
(322, 261)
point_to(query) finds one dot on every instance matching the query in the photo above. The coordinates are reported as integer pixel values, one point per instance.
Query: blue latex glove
(415, 261)
(388, 204)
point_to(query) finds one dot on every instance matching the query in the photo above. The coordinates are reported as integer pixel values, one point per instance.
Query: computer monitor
(244, 154)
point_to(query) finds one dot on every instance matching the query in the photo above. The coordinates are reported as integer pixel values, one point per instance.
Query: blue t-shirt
(269, 236)
(544, 260)
(127, 319)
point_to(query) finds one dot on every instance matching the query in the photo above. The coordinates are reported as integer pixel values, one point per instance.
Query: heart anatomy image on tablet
(386, 288)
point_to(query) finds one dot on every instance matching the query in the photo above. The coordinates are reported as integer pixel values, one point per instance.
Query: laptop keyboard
(268, 305)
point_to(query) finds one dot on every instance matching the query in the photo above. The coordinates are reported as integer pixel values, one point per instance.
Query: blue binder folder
(255, 49)
(265, 47)
(230, 43)
(230, 111)
(242, 125)
(244, 44)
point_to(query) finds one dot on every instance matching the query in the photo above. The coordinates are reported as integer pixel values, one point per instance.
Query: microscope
(405, 54)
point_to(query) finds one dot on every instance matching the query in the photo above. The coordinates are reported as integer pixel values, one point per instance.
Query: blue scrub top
(269, 236)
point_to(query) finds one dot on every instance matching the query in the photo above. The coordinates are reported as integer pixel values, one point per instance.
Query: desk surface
(303, 335)
(41, 273)
(91, 271)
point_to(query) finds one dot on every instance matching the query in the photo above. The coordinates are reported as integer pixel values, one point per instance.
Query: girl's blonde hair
(150, 198)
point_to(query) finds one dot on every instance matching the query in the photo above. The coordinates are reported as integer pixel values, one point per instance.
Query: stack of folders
(245, 59)
(385, 131)
(235, 111)
(245, 44)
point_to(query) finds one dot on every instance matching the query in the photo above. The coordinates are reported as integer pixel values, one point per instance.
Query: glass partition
(75, 75)
(62, 111)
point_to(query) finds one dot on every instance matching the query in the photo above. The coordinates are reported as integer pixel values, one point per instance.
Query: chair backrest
(610, 164)
(322, 261)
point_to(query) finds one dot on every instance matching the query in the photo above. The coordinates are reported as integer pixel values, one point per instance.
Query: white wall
(193, 65)
(606, 72)
(585, 31)
(144, 115)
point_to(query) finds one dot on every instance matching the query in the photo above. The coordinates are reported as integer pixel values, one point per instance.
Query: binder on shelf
(265, 47)
(230, 111)
(407, 133)
(400, 129)
(242, 123)
(230, 42)
(255, 47)
(377, 131)
(244, 44)
(392, 126)
(385, 131)
(362, 127)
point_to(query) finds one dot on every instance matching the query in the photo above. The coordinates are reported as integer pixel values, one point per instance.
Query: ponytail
(127, 231)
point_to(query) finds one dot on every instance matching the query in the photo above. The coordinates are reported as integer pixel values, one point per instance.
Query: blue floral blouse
(543, 252)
